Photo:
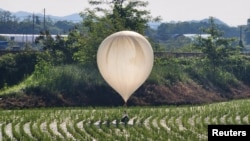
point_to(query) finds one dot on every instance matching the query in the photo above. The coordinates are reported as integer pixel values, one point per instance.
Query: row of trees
(166, 30)
(34, 24)
(247, 32)
(10, 24)
(83, 42)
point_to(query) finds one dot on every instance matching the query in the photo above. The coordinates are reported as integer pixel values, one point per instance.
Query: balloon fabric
(125, 60)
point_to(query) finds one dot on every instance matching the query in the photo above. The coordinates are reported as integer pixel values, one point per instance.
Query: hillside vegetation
(172, 81)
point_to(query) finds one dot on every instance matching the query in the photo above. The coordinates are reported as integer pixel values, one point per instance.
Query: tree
(100, 22)
(58, 49)
(64, 25)
(8, 22)
(247, 36)
(216, 48)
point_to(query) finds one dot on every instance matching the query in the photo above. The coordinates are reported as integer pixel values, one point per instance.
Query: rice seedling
(101, 123)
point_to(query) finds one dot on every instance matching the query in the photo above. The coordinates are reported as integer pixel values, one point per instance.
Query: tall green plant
(168, 71)
(216, 48)
(15, 67)
(59, 49)
(121, 15)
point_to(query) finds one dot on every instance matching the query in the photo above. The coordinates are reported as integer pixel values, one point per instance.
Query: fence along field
(171, 123)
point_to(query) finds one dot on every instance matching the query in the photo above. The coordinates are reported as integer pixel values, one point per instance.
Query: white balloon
(125, 60)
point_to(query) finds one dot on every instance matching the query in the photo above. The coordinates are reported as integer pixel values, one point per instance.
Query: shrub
(15, 67)
(167, 71)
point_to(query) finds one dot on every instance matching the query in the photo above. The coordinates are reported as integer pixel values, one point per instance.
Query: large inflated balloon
(125, 60)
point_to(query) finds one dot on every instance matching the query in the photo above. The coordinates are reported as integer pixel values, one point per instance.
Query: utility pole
(240, 33)
(33, 30)
(44, 27)
(241, 42)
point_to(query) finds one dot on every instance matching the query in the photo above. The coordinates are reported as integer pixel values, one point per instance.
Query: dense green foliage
(16, 67)
(67, 78)
(59, 50)
(216, 48)
(165, 31)
(121, 15)
(247, 32)
(83, 85)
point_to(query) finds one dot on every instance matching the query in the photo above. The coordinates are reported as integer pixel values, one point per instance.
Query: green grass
(65, 78)
(167, 71)
(175, 123)
(19, 87)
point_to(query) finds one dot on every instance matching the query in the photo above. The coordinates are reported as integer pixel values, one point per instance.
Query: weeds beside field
(146, 123)
(172, 81)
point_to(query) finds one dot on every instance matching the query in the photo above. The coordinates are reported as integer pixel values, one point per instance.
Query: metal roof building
(24, 38)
